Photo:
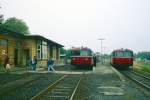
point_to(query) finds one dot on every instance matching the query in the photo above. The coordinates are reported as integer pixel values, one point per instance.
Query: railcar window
(90, 53)
(75, 53)
(119, 54)
(123, 54)
(128, 54)
(113, 54)
(84, 53)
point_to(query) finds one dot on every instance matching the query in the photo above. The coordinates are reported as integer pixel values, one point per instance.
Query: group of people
(33, 64)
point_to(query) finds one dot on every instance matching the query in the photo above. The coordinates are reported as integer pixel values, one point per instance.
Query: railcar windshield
(81, 53)
(128, 54)
(75, 53)
(86, 53)
(123, 54)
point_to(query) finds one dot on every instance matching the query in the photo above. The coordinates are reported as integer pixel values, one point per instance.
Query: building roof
(16, 34)
(39, 37)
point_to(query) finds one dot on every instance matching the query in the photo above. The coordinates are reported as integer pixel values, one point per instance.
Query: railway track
(4, 79)
(62, 89)
(18, 83)
(24, 89)
(140, 79)
(139, 74)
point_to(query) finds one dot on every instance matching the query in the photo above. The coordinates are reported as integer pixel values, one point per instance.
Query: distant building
(21, 48)
(63, 59)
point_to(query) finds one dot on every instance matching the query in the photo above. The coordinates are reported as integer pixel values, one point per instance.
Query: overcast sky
(123, 23)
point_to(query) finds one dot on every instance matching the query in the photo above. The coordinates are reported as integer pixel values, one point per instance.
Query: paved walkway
(102, 69)
(14, 70)
(99, 69)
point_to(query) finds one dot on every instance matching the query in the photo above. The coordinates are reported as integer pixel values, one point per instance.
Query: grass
(142, 65)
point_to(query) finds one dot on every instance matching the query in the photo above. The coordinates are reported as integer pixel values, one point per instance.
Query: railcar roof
(122, 50)
(74, 49)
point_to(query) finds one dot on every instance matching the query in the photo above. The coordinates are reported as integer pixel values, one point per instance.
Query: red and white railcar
(122, 58)
(82, 57)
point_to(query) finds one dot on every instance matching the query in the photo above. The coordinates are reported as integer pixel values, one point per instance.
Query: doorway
(26, 58)
(16, 57)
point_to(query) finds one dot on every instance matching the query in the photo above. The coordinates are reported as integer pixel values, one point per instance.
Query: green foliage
(142, 65)
(16, 25)
(143, 55)
(1, 21)
(62, 51)
(68, 53)
(2, 28)
(65, 51)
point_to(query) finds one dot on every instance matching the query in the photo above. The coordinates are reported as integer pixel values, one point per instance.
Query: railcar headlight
(73, 58)
(86, 58)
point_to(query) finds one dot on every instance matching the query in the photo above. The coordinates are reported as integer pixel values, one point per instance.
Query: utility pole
(101, 39)
(1, 15)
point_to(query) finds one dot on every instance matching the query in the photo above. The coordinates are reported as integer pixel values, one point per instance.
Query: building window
(3, 42)
(44, 50)
(41, 50)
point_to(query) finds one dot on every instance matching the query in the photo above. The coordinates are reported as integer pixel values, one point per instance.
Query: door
(16, 57)
(26, 58)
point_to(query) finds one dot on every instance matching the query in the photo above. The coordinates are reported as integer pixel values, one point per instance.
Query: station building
(22, 48)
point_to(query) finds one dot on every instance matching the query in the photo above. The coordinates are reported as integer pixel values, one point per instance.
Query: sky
(121, 23)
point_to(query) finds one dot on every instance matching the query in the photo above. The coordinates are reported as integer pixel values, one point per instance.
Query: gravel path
(104, 84)
(28, 90)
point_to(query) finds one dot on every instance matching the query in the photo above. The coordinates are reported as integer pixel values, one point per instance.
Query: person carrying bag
(6, 65)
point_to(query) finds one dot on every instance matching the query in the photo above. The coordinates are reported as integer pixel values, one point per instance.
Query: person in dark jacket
(94, 60)
(34, 63)
(50, 65)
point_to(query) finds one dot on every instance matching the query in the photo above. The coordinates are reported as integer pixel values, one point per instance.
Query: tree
(1, 23)
(1, 18)
(62, 51)
(143, 55)
(16, 25)
(65, 51)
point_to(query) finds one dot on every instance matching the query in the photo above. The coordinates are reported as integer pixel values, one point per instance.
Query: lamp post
(101, 39)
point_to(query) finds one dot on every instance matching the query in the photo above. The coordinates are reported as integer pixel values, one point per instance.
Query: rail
(63, 88)
(148, 78)
(71, 98)
(137, 78)
(47, 88)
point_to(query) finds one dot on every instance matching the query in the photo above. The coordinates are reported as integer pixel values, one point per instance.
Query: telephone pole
(101, 39)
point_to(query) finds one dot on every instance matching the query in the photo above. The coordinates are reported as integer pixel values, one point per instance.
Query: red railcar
(122, 58)
(82, 57)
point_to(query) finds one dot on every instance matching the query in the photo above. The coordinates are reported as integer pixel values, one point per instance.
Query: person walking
(34, 63)
(94, 60)
(50, 65)
(5, 61)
